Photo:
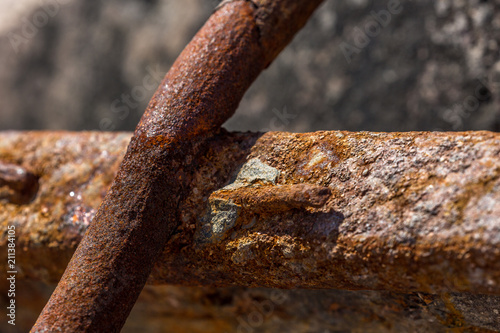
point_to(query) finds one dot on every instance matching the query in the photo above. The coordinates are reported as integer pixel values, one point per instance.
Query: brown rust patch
(275, 199)
(303, 163)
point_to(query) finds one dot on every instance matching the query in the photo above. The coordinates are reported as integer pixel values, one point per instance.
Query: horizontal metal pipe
(405, 212)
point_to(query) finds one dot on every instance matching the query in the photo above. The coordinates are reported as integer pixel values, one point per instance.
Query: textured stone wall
(93, 65)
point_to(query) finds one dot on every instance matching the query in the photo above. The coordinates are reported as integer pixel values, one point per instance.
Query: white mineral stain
(319, 157)
(316, 159)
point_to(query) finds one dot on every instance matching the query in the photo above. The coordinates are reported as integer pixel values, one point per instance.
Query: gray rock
(94, 65)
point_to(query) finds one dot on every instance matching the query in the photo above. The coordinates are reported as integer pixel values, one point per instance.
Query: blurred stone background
(91, 65)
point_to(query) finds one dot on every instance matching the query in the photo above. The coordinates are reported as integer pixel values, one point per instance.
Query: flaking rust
(231, 208)
(276, 199)
(255, 189)
(408, 212)
(253, 194)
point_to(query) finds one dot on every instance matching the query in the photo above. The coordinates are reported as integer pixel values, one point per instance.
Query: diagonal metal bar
(140, 211)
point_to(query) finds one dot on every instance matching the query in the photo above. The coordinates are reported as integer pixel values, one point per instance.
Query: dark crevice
(17, 185)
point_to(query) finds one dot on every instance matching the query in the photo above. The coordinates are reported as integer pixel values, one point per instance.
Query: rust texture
(141, 210)
(408, 212)
(273, 199)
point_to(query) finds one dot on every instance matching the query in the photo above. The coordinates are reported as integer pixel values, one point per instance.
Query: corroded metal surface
(140, 212)
(408, 211)
(75, 170)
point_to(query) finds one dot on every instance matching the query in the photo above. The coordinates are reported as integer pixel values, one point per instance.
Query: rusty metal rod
(409, 212)
(140, 212)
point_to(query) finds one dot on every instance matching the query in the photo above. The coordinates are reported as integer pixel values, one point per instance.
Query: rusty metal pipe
(140, 212)
(409, 211)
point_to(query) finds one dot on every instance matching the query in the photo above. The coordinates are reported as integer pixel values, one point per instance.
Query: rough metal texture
(74, 172)
(140, 212)
(408, 211)
(449, 181)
